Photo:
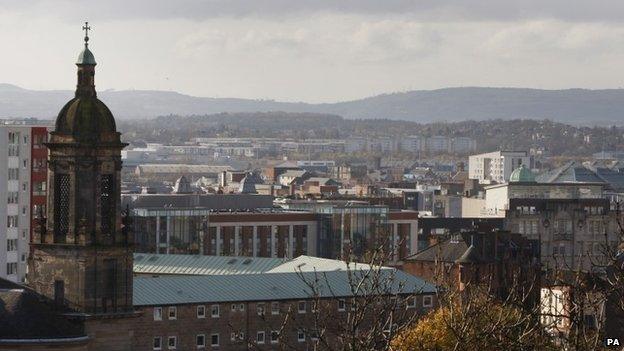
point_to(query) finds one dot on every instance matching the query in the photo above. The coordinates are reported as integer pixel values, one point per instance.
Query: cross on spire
(86, 28)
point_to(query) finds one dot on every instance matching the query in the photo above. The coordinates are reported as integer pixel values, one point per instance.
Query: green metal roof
(86, 57)
(202, 265)
(176, 290)
(522, 174)
(310, 264)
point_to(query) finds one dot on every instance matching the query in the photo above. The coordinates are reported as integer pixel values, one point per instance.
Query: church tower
(81, 256)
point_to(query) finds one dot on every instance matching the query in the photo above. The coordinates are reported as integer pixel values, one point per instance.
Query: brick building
(276, 309)
(496, 258)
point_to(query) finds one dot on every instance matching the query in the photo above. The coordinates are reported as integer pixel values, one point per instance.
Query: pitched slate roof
(26, 315)
(310, 264)
(469, 256)
(202, 265)
(173, 290)
(570, 172)
(575, 172)
(447, 251)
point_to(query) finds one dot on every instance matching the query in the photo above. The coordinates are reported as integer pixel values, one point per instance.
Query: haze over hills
(574, 106)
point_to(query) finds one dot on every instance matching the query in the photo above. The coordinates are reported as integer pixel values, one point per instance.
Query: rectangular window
(411, 302)
(158, 313)
(39, 188)
(61, 205)
(107, 204)
(13, 173)
(214, 311)
(173, 312)
(260, 308)
(157, 345)
(428, 301)
(241, 307)
(275, 308)
(214, 340)
(12, 245)
(200, 341)
(274, 337)
(534, 227)
(233, 307)
(201, 311)
(260, 337)
(300, 335)
(13, 197)
(11, 268)
(237, 336)
(12, 221)
(341, 305)
(301, 307)
(172, 342)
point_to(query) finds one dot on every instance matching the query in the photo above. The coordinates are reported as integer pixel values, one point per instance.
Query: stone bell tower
(81, 255)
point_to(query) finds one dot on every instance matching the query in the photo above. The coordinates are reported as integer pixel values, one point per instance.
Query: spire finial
(86, 28)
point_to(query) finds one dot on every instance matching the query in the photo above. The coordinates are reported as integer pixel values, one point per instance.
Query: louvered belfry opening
(61, 205)
(107, 205)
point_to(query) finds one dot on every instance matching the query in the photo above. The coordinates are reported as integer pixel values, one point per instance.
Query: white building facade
(496, 166)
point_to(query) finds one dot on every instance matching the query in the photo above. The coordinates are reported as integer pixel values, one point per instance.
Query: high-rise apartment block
(496, 166)
(22, 193)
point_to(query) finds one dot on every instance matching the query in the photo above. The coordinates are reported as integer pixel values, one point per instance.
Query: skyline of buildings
(239, 243)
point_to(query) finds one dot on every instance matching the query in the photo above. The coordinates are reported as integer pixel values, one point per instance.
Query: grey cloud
(434, 10)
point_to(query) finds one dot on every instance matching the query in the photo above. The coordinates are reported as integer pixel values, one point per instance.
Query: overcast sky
(315, 51)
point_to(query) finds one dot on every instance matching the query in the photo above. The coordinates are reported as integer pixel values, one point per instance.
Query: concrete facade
(496, 166)
(22, 190)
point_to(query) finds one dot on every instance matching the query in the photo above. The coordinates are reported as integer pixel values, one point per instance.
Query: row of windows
(594, 210)
(172, 342)
(526, 209)
(200, 339)
(215, 310)
(528, 227)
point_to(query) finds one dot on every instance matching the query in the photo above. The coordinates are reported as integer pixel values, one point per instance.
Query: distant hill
(574, 106)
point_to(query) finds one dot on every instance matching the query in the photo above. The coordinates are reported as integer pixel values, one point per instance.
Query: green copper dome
(86, 57)
(521, 174)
